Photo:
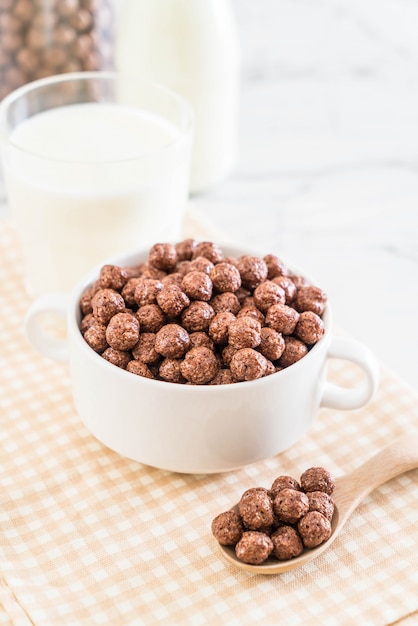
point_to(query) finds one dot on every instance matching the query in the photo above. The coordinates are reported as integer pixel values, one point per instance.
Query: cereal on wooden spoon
(397, 458)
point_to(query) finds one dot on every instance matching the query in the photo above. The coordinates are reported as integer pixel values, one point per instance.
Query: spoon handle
(396, 458)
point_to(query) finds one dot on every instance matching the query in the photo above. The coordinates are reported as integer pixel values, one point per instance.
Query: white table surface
(327, 173)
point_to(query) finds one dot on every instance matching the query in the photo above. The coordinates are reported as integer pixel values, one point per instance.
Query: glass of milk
(93, 167)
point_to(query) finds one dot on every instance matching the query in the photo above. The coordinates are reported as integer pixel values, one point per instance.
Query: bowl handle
(337, 397)
(44, 341)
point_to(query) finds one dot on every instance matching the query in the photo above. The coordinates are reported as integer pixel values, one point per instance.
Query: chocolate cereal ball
(172, 341)
(267, 294)
(145, 350)
(151, 318)
(288, 286)
(275, 266)
(175, 278)
(321, 502)
(172, 300)
(317, 479)
(199, 366)
(120, 358)
(254, 547)
(122, 332)
(283, 482)
(251, 311)
(227, 354)
(105, 304)
(310, 298)
(223, 377)
(128, 291)
(282, 318)
(95, 336)
(139, 368)
(146, 291)
(249, 302)
(225, 301)
(197, 316)
(270, 368)
(225, 277)
(244, 332)
(163, 256)
(299, 281)
(219, 327)
(256, 508)
(294, 350)
(197, 286)
(148, 271)
(85, 300)
(183, 267)
(135, 271)
(253, 271)
(170, 371)
(310, 327)
(185, 249)
(290, 505)
(227, 528)
(112, 277)
(209, 250)
(271, 344)
(199, 338)
(314, 529)
(248, 364)
(231, 259)
(242, 293)
(87, 321)
(287, 543)
(201, 264)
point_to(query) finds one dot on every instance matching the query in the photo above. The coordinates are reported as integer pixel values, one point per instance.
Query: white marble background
(328, 168)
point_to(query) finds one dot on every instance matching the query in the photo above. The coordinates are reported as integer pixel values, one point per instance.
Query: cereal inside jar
(40, 38)
(192, 315)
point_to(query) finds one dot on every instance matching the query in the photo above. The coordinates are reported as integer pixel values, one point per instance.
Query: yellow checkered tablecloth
(88, 537)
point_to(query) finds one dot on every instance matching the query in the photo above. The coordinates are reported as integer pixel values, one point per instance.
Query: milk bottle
(192, 47)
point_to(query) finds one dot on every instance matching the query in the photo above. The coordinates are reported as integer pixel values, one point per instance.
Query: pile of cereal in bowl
(192, 315)
(280, 522)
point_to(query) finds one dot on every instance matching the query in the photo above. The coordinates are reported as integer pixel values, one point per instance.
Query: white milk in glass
(111, 178)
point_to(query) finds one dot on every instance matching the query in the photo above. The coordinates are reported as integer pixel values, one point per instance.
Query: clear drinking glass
(94, 164)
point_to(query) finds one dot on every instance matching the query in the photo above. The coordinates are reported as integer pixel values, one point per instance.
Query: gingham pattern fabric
(88, 537)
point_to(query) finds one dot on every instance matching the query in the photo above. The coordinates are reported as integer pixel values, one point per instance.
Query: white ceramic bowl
(198, 429)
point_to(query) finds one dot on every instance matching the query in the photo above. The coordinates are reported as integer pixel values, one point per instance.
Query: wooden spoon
(397, 458)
